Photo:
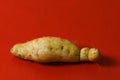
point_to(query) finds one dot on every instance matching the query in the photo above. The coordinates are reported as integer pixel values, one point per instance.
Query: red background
(92, 23)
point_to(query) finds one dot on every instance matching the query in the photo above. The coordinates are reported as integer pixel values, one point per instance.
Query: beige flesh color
(53, 49)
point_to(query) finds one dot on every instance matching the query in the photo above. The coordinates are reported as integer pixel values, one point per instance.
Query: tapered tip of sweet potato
(93, 54)
(89, 54)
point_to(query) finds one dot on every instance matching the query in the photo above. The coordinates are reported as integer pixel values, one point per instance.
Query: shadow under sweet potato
(60, 63)
(103, 61)
(107, 61)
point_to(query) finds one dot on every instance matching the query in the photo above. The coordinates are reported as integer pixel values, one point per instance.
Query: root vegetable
(53, 49)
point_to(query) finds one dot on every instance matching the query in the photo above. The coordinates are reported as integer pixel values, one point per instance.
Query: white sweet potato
(53, 49)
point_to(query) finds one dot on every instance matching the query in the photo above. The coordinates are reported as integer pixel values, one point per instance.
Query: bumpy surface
(89, 54)
(47, 49)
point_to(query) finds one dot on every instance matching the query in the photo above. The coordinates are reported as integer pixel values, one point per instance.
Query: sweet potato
(53, 49)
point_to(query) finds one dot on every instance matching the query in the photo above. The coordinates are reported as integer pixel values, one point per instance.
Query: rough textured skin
(93, 55)
(84, 54)
(47, 49)
(89, 54)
